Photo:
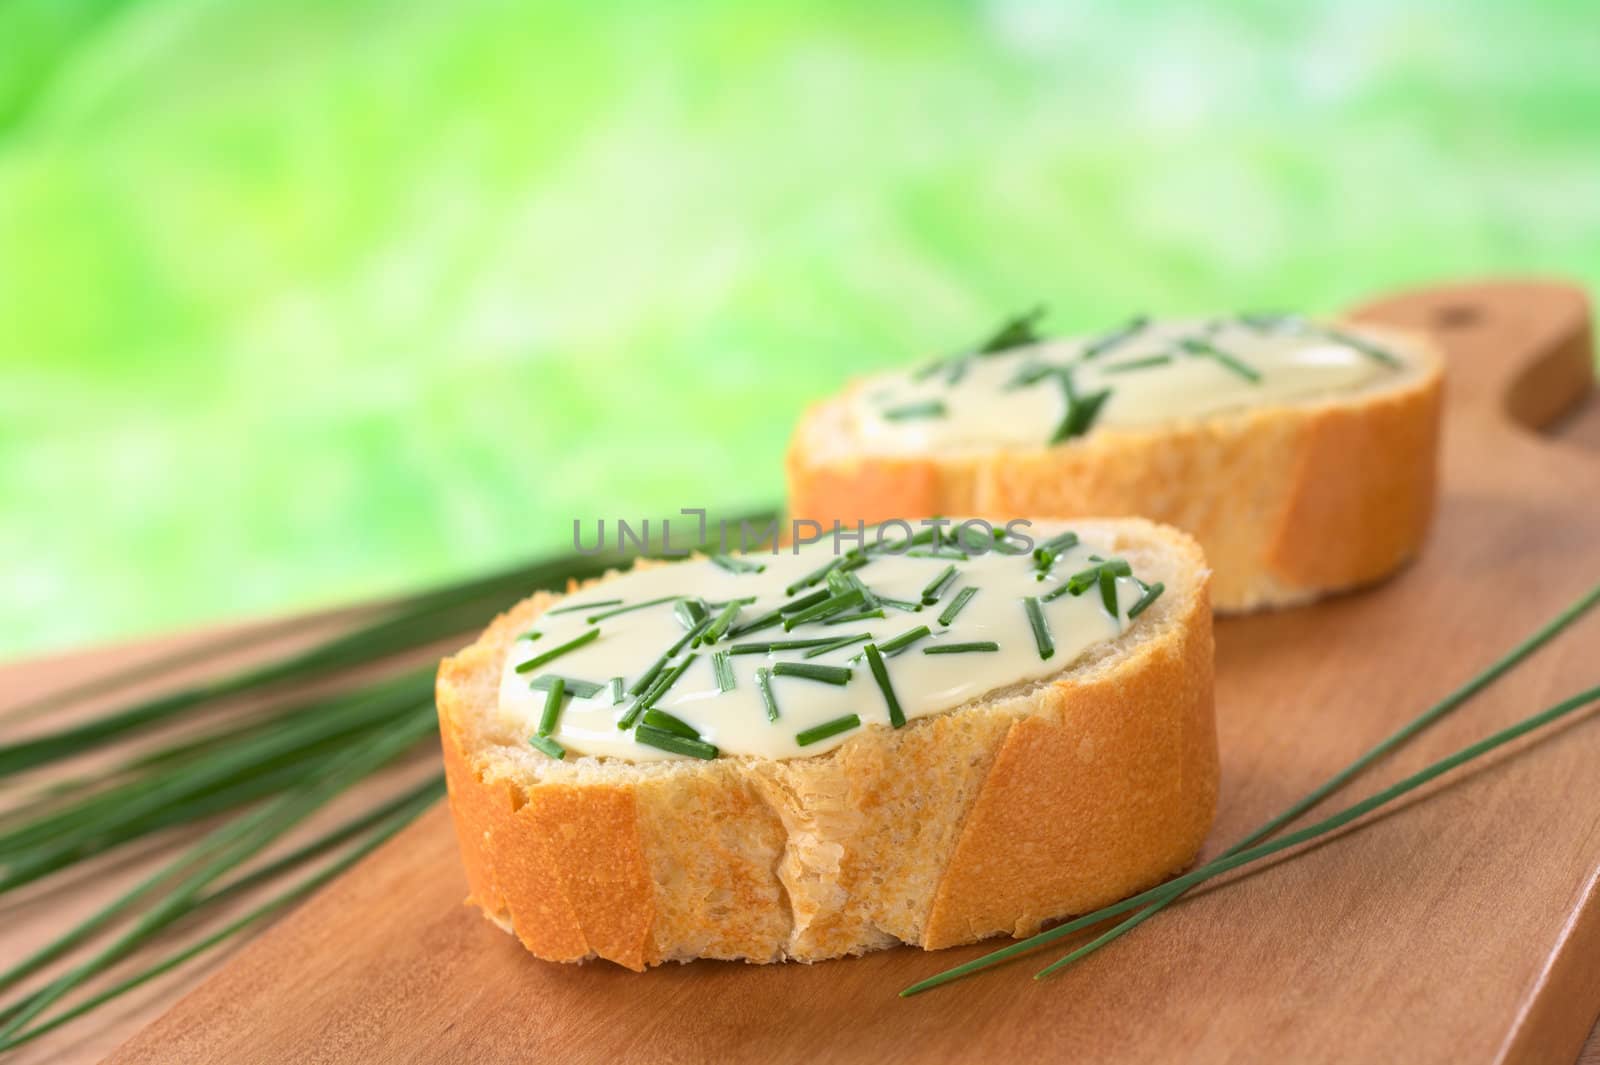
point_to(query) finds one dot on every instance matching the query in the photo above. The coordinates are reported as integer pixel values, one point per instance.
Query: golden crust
(986, 819)
(1289, 503)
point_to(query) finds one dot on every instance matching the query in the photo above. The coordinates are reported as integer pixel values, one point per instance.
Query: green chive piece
(1015, 332)
(1096, 348)
(737, 565)
(1108, 592)
(1146, 363)
(1029, 374)
(1056, 546)
(1041, 630)
(943, 552)
(689, 612)
(960, 648)
(548, 746)
(671, 741)
(821, 595)
(900, 604)
(616, 690)
(764, 686)
(597, 604)
(592, 618)
(828, 607)
(932, 408)
(530, 635)
(1151, 594)
(935, 588)
(556, 652)
(657, 690)
(880, 673)
(829, 728)
(1367, 348)
(860, 615)
(756, 624)
(719, 624)
(895, 645)
(1081, 411)
(963, 597)
(581, 689)
(666, 722)
(811, 671)
(722, 668)
(1195, 346)
(818, 574)
(779, 645)
(552, 706)
(843, 641)
(650, 675)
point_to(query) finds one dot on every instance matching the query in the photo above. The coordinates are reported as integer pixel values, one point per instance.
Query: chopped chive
(1029, 374)
(895, 645)
(548, 746)
(1041, 630)
(581, 689)
(1366, 347)
(556, 652)
(935, 588)
(779, 645)
(828, 607)
(662, 720)
(1195, 346)
(1081, 411)
(644, 682)
(583, 606)
(960, 648)
(860, 615)
(1151, 594)
(808, 600)
(811, 671)
(1108, 592)
(843, 641)
(1056, 544)
(818, 574)
(616, 690)
(670, 741)
(722, 668)
(757, 623)
(552, 706)
(1015, 332)
(880, 673)
(900, 604)
(689, 612)
(1096, 348)
(942, 552)
(592, 618)
(829, 728)
(957, 604)
(531, 635)
(1138, 364)
(1057, 592)
(743, 600)
(657, 690)
(932, 408)
(764, 686)
(719, 624)
(737, 565)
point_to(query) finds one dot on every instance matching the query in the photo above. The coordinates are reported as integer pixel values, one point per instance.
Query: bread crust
(1289, 503)
(991, 818)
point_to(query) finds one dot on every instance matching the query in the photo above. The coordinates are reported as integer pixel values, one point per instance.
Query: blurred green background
(305, 301)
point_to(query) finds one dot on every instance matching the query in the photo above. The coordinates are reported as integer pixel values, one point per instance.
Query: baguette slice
(1289, 502)
(1030, 803)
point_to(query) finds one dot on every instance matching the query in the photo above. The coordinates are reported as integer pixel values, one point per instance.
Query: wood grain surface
(1464, 926)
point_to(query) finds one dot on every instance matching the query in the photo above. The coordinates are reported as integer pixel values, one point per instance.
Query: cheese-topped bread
(1301, 455)
(924, 739)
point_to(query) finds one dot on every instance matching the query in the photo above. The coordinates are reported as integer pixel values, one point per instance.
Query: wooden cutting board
(1464, 926)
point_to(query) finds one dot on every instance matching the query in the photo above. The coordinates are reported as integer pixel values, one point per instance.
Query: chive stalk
(880, 673)
(553, 698)
(963, 597)
(812, 671)
(935, 588)
(960, 648)
(556, 652)
(722, 668)
(671, 741)
(823, 731)
(1041, 628)
(764, 687)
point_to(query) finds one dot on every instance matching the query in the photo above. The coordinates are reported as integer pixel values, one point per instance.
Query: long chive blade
(1117, 337)
(737, 565)
(961, 648)
(553, 698)
(670, 741)
(596, 605)
(835, 604)
(1151, 594)
(836, 645)
(829, 728)
(582, 689)
(604, 614)
(1168, 892)
(935, 588)
(838, 675)
(669, 723)
(932, 408)
(1196, 346)
(1041, 628)
(1108, 594)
